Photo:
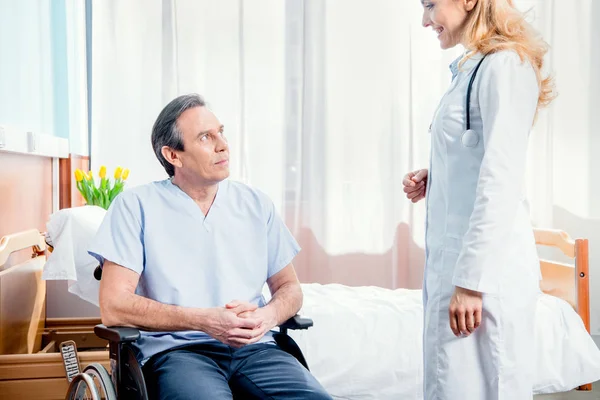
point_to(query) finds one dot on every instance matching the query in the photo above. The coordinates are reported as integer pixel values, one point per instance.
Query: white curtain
(145, 53)
(327, 104)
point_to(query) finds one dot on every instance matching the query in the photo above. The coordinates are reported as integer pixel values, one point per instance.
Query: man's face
(206, 154)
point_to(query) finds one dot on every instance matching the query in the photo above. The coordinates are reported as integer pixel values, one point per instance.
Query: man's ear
(470, 5)
(171, 156)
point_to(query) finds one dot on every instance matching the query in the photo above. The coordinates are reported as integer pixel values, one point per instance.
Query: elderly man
(185, 260)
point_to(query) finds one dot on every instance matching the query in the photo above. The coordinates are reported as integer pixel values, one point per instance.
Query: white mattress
(366, 343)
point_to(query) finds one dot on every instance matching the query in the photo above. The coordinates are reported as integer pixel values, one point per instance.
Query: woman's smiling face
(447, 19)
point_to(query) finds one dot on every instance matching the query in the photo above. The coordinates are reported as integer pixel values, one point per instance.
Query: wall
(25, 192)
(25, 195)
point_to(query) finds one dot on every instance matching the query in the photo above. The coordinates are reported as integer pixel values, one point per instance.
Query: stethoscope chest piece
(469, 138)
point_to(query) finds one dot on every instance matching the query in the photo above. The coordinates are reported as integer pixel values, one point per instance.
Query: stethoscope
(470, 138)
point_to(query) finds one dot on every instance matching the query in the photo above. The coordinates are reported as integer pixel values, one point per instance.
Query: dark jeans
(216, 371)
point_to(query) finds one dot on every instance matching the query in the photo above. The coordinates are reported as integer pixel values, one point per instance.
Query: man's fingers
(255, 339)
(256, 336)
(243, 337)
(244, 334)
(248, 323)
(233, 304)
(238, 342)
(242, 305)
(239, 307)
(239, 333)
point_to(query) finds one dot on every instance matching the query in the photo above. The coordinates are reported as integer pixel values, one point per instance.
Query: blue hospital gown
(190, 260)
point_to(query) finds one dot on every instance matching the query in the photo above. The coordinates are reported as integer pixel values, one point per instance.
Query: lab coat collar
(467, 65)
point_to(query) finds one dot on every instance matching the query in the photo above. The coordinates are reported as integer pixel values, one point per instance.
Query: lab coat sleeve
(508, 95)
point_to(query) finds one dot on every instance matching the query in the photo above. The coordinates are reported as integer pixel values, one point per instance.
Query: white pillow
(71, 231)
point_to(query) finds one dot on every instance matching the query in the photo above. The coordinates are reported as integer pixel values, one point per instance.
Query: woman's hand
(465, 311)
(415, 184)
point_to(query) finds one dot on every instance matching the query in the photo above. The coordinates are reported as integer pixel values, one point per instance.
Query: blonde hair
(496, 25)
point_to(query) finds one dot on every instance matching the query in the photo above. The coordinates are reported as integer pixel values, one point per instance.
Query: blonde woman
(482, 272)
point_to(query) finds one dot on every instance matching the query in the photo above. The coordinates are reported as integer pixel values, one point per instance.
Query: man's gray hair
(165, 131)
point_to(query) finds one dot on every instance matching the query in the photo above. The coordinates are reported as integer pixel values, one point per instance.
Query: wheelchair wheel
(94, 383)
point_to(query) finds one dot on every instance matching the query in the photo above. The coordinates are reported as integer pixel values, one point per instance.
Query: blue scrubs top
(190, 260)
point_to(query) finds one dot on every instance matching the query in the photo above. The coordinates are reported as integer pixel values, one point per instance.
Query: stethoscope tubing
(469, 89)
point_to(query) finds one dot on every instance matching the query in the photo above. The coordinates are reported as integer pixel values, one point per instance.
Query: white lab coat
(479, 234)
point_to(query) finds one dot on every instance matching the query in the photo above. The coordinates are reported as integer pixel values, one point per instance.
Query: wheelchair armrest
(297, 322)
(117, 334)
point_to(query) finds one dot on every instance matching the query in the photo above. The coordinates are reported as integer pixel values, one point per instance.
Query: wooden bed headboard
(570, 282)
(22, 294)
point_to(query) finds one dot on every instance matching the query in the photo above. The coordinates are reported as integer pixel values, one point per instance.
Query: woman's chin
(445, 44)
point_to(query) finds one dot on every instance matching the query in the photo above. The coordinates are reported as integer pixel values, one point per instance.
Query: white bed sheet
(366, 343)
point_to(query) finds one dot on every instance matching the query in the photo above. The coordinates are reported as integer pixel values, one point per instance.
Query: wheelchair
(126, 380)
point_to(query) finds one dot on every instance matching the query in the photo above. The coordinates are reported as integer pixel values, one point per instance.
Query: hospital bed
(365, 343)
(379, 354)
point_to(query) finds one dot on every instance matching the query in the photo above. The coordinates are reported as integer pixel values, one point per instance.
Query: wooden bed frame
(569, 282)
(32, 368)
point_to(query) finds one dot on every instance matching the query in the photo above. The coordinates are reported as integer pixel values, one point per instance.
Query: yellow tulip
(125, 173)
(102, 172)
(90, 176)
(78, 175)
(118, 172)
